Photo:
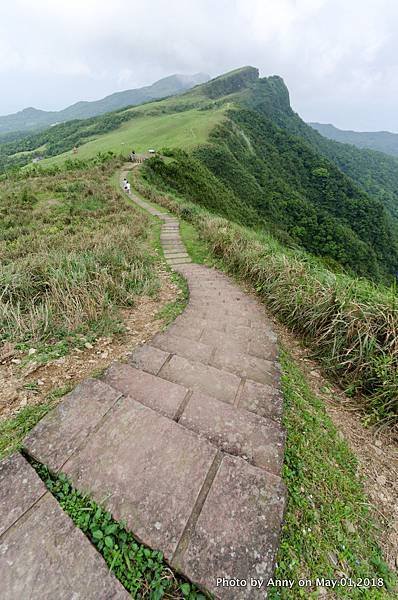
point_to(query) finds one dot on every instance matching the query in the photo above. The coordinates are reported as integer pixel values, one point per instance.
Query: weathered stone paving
(43, 556)
(183, 442)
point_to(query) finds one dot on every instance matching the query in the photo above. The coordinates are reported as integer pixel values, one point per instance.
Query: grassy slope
(72, 252)
(328, 530)
(182, 129)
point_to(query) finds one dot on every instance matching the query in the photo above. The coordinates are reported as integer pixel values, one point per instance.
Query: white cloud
(338, 58)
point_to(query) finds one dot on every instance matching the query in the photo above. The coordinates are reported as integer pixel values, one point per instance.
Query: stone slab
(148, 359)
(237, 532)
(191, 320)
(178, 261)
(221, 339)
(224, 316)
(20, 488)
(45, 557)
(236, 431)
(156, 393)
(264, 400)
(201, 378)
(176, 254)
(191, 333)
(147, 469)
(54, 439)
(244, 365)
(173, 248)
(260, 332)
(183, 347)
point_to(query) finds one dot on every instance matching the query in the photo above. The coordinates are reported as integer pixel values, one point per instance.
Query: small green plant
(171, 310)
(13, 430)
(142, 571)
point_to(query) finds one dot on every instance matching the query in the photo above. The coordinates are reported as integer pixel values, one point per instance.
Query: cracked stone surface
(237, 532)
(149, 469)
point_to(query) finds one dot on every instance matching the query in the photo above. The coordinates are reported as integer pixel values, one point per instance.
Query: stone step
(236, 534)
(244, 365)
(264, 400)
(64, 429)
(178, 261)
(147, 470)
(176, 254)
(162, 396)
(148, 358)
(183, 347)
(236, 431)
(42, 554)
(201, 378)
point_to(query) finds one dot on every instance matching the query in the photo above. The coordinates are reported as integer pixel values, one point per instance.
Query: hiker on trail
(128, 188)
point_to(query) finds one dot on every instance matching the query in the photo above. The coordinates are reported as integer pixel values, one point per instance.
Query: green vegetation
(13, 430)
(381, 141)
(328, 530)
(350, 324)
(182, 129)
(177, 121)
(374, 172)
(256, 174)
(32, 119)
(142, 571)
(171, 311)
(73, 252)
(198, 251)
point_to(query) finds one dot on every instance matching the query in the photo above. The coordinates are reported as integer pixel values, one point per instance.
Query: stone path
(183, 442)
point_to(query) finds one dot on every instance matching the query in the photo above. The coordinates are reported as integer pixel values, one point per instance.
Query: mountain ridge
(381, 141)
(30, 119)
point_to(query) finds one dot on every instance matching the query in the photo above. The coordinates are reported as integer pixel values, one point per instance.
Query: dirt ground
(141, 324)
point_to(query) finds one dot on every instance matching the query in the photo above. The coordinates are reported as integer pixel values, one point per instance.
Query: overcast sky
(339, 58)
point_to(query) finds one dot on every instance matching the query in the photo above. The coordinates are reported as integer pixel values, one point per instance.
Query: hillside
(246, 218)
(382, 141)
(255, 161)
(30, 119)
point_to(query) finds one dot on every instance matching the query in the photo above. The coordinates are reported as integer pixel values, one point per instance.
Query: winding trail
(184, 442)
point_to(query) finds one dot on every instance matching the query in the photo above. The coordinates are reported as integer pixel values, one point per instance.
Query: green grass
(73, 253)
(197, 250)
(328, 530)
(142, 571)
(13, 430)
(182, 129)
(171, 310)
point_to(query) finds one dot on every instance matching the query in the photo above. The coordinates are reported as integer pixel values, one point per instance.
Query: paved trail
(183, 442)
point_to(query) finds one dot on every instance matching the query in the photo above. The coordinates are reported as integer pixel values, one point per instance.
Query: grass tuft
(73, 252)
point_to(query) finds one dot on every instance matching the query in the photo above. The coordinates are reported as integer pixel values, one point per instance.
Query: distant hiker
(128, 188)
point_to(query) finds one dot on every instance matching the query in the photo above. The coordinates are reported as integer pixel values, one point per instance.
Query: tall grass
(350, 324)
(72, 253)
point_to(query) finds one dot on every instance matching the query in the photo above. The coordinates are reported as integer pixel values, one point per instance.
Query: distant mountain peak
(382, 141)
(30, 118)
